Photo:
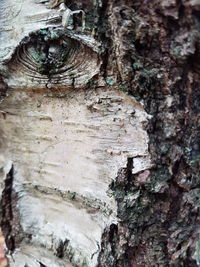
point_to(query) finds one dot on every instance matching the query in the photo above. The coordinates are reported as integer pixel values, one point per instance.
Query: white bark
(66, 143)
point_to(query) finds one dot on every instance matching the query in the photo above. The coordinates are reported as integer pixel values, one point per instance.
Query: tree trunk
(100, 132)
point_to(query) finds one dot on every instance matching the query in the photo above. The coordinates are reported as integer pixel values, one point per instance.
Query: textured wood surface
(65, 153)
(63, 140)
(147, 213)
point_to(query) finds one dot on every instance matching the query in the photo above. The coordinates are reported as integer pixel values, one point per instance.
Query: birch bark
(100, 132)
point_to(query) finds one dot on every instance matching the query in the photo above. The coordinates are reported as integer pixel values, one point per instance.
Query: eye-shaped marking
(48, 56)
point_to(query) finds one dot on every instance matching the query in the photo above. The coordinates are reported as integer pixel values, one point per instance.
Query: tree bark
(100, 134)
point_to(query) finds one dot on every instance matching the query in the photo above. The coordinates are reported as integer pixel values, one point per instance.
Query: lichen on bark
(160, 227)
(150, 51)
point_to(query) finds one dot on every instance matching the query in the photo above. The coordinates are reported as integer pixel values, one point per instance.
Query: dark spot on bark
(7, 211)
(61, 249)
(10, 215)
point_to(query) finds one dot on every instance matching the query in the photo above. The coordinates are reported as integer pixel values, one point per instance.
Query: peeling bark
(101, 126)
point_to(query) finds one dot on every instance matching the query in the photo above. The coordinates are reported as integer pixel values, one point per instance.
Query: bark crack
(9, 214)
(7, 211)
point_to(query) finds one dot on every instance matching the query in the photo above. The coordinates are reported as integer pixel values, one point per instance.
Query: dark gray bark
(159, 45)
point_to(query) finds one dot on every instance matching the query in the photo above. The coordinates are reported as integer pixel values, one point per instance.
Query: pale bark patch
(65, 152)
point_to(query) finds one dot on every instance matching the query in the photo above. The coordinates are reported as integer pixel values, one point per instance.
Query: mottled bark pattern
(150, 49)
(155, 45)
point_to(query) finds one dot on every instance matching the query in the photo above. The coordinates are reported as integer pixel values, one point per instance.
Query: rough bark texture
(157, 45)
(135, 60)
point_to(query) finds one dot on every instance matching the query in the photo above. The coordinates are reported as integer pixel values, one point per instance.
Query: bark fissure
(150, 51)
(162, 78)
(9, 214)
(7, 211)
